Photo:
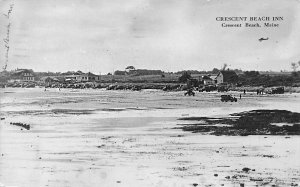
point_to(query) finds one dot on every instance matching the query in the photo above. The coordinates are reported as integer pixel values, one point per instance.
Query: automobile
(278, 90)
(275, 90)
(225, 98)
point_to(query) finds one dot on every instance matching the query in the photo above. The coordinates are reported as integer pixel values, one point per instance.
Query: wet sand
(124, 138)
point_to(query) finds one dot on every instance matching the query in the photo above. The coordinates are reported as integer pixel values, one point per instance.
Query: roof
(71, 76)
(89, 74)
(205, 77)
(213, 77)
(229, 76)
(19, 71)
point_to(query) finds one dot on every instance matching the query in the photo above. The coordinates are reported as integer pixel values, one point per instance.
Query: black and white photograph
(149, 93)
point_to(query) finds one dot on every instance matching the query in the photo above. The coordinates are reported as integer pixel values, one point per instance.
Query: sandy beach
(127, 138)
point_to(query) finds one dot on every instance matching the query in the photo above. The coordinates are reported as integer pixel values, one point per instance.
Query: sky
(102, 36)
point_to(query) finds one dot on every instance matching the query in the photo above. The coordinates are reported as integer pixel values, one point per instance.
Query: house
(227, 76)
(86, 77)
(22, 75)
(207, 80)
(214, 78)
(71, 78)
(129, 68)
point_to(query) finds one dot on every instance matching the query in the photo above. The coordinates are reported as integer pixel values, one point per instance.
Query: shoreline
(137, 86)
(95, 148)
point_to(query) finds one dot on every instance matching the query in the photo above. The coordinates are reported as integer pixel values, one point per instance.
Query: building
(70, 78)
(22, 75)
(86, 77)
(207, 80)
(227, 76)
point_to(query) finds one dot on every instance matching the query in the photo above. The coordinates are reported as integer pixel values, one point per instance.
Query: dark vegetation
(254, 78)
(146, 77)
(184, 77)
(23, 125)
(255, 122)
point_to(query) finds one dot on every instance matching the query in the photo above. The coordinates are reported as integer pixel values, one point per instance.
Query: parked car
(225, 98)
(278, 90)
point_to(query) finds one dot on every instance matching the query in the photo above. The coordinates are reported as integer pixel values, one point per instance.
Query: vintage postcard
(164, 93)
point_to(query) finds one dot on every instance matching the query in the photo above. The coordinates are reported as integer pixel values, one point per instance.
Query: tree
(119, 72)
(224, 66)
(184, 77)
(215, 71)
(251, 73)
(294, 66)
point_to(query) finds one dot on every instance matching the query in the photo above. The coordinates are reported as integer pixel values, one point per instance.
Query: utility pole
(7, 37)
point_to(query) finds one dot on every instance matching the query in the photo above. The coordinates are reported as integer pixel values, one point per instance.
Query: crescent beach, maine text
(264, 21)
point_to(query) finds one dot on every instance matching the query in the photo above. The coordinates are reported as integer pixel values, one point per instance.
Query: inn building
(22, 75)
(86, 77)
